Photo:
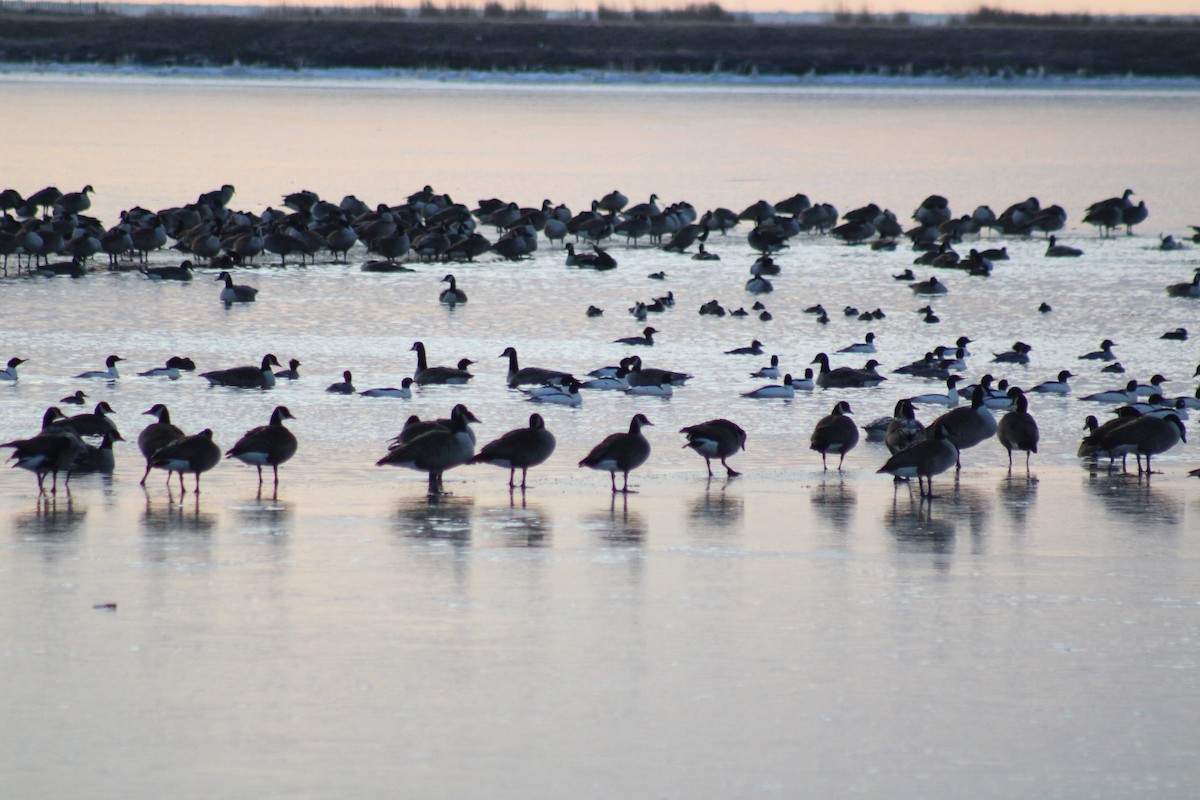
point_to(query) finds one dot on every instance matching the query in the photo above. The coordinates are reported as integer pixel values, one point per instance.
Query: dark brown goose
(1018, 430)
(426, 375)
(267, 445)
(156, 435)
(924, 459)
(414, 426)
(717, 438)
(621, 452)
(1090, 447)
(194, 454)
(521, 449)
(845, 377)
(434, 451)
(259, 377)
(905, 429)
(835, 433)
(526, 376)
(98, 458)
(52, 451)
(965, 427)
(94, 424)
(1145, 436)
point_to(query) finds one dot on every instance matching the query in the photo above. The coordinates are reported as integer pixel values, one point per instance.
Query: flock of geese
(431, 226)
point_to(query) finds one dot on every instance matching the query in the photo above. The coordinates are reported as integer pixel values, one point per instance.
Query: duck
(924, 458)
(435, 449)
(1056, 250)
(259, 377)
(805, 384)
(845, 377)
(867, 346)
(1018, 430)
(906, 275)
(769, 371)
(232, 293)
(621, 452)
(9, 373)
(181, 273)
(1019, 354)
(76, 399)
(1045, 308)
(451, 296)
(1057, 386)
(599, 259)
(1192, 401)
(754, 349)
(947, 398)
(640, 375)
(156, 435)
(931, 286)
(1126, 395)
(759, 285)
(427, 375)
(50, 452)
(172, 369)
(1105, 352)
(95, 424)
(595, 311)
(835, 433)
(345, 386)
(1189, 289)
(521, 448)
(1154, 386)
(1143, 436)
(267, 445)
(774, 391)
(705, 255)
(717, 438)
(904, 428)
(646, 388)
(1114, 368)
(565, 394)
(523, 376)
(645, 340)
(965, 427)
(1177, 335)
(292, 372)
(110, 374)
(404, 392)
(195, 454)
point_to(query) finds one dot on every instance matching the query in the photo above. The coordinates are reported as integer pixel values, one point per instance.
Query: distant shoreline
(994, 53)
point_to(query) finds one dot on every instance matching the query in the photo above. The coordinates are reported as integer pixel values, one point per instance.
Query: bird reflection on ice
(1127, 495)
(53, 520)
(835, 501)
(1018, 496)
(436, 518)
(618, 525)
(520, 523)
(920, 527)
(717, 511)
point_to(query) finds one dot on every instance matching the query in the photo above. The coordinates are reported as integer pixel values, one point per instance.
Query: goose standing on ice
(1018, 430)
(267, 445)
(965, 427)
(835, 433)
(194, 454)
(924, 459)
(519, 449)
(621, 452)
(717, 438)
(436, 449)
(156, 435)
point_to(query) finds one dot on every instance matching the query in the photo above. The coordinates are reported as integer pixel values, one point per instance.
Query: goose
(783, 391)
(621, 452)
(640, 375)
(754, 349)
(931, 286)
(181, 273)
(765, 265)
(195, 454)
(109, 374)
(1155, 386)
(453, 295)
(345, 386)
(835, 433)
(965, 427)
(947, 398)
(521, 448)
(599, 259)
(1126, 395)
(705, 255)
(867, 346)
(1189, 289)
(156, 435)
(1018, 430)
(1019, 354)
(717, 438)
(1058, 386)
(1056, 250)
(595, 311)
(771, 371)
(9, 373)
(566, 394)
(759, 285)
(1168, 242)
(518, 376)
(427, 375)
(404, 392)
(924, 459)
(1090, 446)
(259, 377)
(1105, 352)
(76, 399)
(435, 448)
(1178, 335)
(904, 428)
(1132, 215)
(292, 372)
(267, 445)
(646, 339)
(414, 426)
(1144, 436)
(98, 458)
(95, 424)
(232, 293)
(845, 377)
(51, 451)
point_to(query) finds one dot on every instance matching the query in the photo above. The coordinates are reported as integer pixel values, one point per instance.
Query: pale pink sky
(1133, 7)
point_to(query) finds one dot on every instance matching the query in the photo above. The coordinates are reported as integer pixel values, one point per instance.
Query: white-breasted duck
(9, 373)
(1153, 386)
(110, 374)
(1126, 395)
(867, 346)
(403, 393)
(1057, 386)
(755, 348)
(770, 371)
(947, 398)
(774, 391)
(565, 394)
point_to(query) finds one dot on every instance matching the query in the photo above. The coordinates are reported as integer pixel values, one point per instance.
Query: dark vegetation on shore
(698, 38)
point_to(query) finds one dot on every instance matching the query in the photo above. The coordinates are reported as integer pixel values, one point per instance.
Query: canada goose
(194, 454)
(1178, 335)
(867, 346)
(292, 372)
(1090, 447)
(181, 273)
(646, 339)
(640, 375)
(904, 428)
(232, 293)
(705, 255)
(1056, 250)
(1144, 436)
(1018, 429)
(427, 375)
(521, 449)
(9, 373)
(1019, 354)
(51, 451)
(1126, 395)
(267, 445)
(1189, 289)
(844, 377)
(404, 392)
(599, 259)
(1059, 386)
(98, 458)
(1105, 352)
(94, 424)
(1133, 215)
(924, 459)
(759, 285)
(156, 435)
(835, 433)
(344, 386)
(931, 286)
(452, 296)
(771, 371)
(414, 426)
(435, 449)
(621, 452)
(754, 349)
(76, 399)
(947, 398)
(565, 394)
(518, 376)
(965, 427)
(717, 438)
(109, 374)
(259, 377)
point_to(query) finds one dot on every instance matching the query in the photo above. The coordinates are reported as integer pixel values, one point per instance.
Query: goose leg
(729, 470)
(708, 463)
(146, 475)
(524, 474)
(613, 476)
(276, 468)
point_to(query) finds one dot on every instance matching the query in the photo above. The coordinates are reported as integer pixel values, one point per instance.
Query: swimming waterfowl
(292, 372)
(599, 259)
(172, 369)
(1144, 436)
(1153, 386)
(1189, 289)
(705, 255)
(345, 386)
(1056, 250)
(759, 285)
(522, 448)
(931, 286)
(232, 293)
(1058, 386)
(845, 377)
(594, 311)
(805, 384)
(267, 445)
(906, 275)
(1113, 368)
(452, 296)
(259, 377)
(110, 374)
(9, 373)
(403, 393)
(621, 452)
(645, 340)
(1018, 430)
(436, 449)
(947, 398)
(867, 346)
(565, 394)
(1126, 395)
(1105, 352)
(76, 399)
(783, 391)
(771, 371)
(183, 272)
(194, 454)
(1178, 335)
(835, 433)
(50, 452)
(965, 427)
(754, 349)
(523, 376)
(156, 435)
(427, 375)
(717, 438)
(924, 459)
(1019, 354)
